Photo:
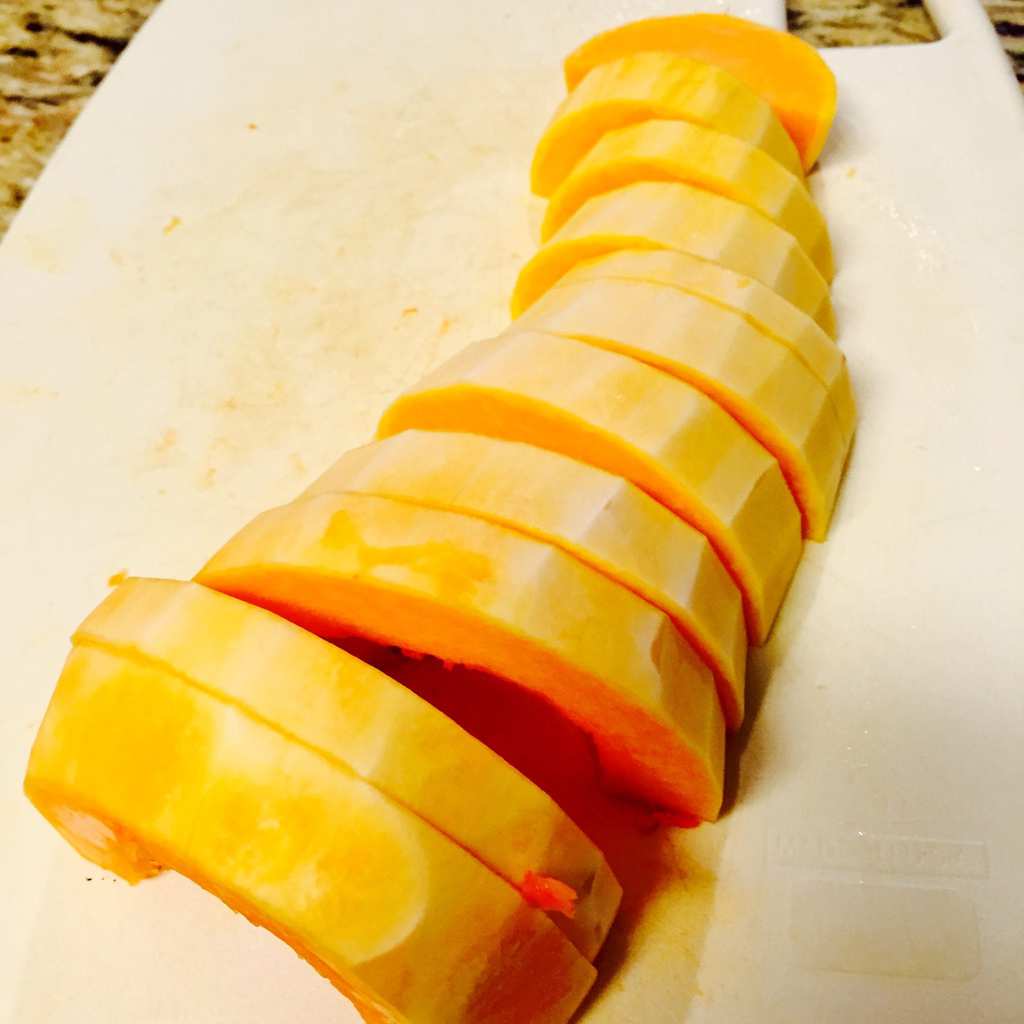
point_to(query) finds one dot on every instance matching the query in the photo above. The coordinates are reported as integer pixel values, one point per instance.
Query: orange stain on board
(115, 579)
(172, 225)
(168, 440)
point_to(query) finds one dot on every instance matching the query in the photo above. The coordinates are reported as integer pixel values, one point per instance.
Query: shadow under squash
(648, 967)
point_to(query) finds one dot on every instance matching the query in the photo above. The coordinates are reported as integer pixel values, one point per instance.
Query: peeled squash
(335, 704)
(705, 158)
(474, 593)
(601, 519)
(637, 422)
(141, 770)
(758, 381)
(671, 215)
(644, 86)
(760, 306)
(783, 69)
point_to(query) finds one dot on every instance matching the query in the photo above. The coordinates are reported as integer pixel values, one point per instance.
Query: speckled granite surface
(53, 55)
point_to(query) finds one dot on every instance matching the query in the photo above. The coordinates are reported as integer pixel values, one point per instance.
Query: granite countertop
(53, 54)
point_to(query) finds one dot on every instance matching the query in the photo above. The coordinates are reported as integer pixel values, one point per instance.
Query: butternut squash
(760, 306)
(141, 770)
(671, 215)
(337, 705)
(637, 422)
(642, 86)
(783, 69)
(708, 159)
(755, 379)
(471, 592)
(599, 518)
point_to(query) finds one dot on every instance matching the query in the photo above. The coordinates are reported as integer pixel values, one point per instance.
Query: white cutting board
(275, 216)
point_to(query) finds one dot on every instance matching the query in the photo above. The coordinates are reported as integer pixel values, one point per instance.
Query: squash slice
(637, 422)
(755, 379)
(336, 704)
(708, 159)
(601, 519)
(141, 771)
(786, 71)
(643, 86)
(671, 215)
(760, 306)
(474, 593)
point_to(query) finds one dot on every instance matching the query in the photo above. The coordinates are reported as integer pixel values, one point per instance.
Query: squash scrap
(601, 519)
(788, 73)
(637, 422)
(473, 593)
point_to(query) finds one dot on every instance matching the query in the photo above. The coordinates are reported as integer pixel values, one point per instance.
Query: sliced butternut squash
(783, 69)
(601, 519)
(343, 708)
(671, 215)
(760, 306)
(470, 592)
(637, 422)
(755, 379)
(141, 770)
(708, 159)
(639, 87)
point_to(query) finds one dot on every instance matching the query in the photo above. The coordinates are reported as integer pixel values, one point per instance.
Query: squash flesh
(639, 87)
(470, 592)
(636, 422)
(398, 743)
(131, 756)
(705, 158)
(788, 73)
(759, 382)
(678, 217)
(760, 306)
(601, 519)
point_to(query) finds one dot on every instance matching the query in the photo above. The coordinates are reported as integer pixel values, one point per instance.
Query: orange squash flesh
(599, 518)
(142, 771)
(647, 86)
(762, 308)
(758, 381)
(699, 156)
(470, 592)
(634, 421)
(788, 73)
(679, 217)
(335, 704)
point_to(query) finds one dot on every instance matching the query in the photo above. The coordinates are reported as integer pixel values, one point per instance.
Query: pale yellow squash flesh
(470, 592)
(779, 66)
(336, 704)
(760, 306)
(755, 379)
(637, 422)
(639, 87)
(682, 218)
(142, 771)
(705, 158)
(601, 519)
